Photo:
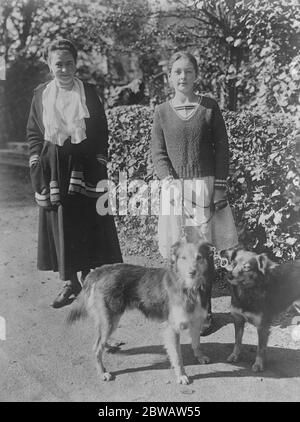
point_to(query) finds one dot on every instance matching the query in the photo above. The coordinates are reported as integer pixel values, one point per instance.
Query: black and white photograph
(149, 203)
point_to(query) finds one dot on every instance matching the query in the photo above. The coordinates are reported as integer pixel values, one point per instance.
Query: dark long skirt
(74, 237)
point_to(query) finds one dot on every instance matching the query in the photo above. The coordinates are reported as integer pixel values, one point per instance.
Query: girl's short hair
(62, 45)
(184, 55)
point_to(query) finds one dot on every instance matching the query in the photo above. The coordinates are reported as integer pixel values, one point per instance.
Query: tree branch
(27, 11)
(214, 19)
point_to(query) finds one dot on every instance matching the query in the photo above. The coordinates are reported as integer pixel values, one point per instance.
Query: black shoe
(293, 311)
(67, 295)
(208, 326)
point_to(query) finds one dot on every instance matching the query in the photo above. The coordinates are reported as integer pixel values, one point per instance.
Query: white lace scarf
(64, 113)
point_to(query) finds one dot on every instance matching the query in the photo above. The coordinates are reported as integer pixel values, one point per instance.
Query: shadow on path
(281, 362)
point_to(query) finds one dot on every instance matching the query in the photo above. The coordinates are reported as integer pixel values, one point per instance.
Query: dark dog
(260, 290)
(177, 296)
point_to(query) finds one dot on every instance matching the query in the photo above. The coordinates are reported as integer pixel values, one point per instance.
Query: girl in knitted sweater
(190, 152)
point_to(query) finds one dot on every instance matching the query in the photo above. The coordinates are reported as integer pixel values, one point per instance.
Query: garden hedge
(264, 181)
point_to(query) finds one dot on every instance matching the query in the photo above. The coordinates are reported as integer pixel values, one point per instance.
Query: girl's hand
(167, 184)
(168, 180)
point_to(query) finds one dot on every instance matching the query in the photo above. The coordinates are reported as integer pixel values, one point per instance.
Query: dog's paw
(258, 365)
(114, 347)
(107, 376)
(233, 357)
(183, 379)
(202, 359)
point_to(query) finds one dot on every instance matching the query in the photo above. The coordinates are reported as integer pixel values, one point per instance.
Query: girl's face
(182, 76)
(62, 65)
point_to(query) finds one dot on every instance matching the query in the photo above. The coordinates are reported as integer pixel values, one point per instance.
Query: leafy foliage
(247, 50)
(26, 27)
(264, 183)
(129, 152)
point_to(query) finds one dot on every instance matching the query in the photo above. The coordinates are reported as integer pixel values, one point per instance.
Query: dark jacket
(57, 171)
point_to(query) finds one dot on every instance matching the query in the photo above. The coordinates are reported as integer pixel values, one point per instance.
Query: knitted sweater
(191, 147)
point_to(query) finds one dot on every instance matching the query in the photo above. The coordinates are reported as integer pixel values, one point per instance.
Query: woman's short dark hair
(62, 45)
(184, 55)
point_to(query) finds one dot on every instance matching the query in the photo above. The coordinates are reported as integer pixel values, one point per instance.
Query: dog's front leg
(263, 335)
(195, 329)
(99, 347)
(172, 345)
(239, 324)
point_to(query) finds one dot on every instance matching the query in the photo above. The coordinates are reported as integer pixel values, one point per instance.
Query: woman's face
(62, 65)
(182, 76)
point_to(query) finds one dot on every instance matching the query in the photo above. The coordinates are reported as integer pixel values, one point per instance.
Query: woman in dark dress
(68, 142)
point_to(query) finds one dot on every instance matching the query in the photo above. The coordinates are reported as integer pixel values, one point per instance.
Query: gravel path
(42, 359)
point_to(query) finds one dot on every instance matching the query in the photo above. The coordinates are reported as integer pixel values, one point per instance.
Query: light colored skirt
(194, 222)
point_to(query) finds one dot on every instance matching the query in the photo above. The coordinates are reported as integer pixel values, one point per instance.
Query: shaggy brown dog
(260, 290)
(177, 296)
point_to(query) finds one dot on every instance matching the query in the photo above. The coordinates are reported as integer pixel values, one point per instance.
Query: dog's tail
(79, 309)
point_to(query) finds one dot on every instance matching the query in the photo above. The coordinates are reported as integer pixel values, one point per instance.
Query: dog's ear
(263, 263)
